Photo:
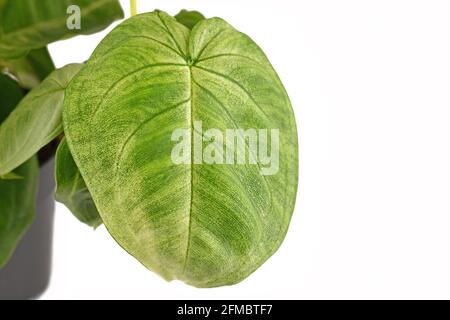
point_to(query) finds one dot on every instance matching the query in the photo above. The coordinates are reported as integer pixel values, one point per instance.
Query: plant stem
(133, 7)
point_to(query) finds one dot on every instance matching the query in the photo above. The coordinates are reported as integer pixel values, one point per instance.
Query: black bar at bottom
(240, 309)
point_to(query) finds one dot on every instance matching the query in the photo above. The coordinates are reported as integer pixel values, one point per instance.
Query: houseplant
(178, 136)
(26, 197)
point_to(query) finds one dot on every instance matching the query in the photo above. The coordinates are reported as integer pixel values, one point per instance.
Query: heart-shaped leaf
(71, 189)
(152, 81)
(35, 121)
(32, 24)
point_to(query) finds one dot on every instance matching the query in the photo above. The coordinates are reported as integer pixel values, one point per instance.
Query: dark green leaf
(17, 207)
(17, 189)
(31, 69)
(35, 121)
(33, 24)
(205, 224)
(10, 95)
(71, 189)
(189, 18)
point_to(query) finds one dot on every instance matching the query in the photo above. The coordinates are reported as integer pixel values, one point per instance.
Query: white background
(370, 85)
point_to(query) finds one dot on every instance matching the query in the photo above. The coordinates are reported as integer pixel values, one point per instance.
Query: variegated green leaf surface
(205, 224)
(35, 121)
(32, 24)
(18, 189)
(71, 189)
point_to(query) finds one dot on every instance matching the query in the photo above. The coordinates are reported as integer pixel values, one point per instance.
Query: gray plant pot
(27, 274)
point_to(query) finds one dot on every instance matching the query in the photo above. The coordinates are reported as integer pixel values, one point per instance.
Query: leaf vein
(127, 140)
(117, 82)
(181, 53)
(228, 55)
(191, 201)
(200, 53)
(229, 79)
(118, 45)
(212, 95)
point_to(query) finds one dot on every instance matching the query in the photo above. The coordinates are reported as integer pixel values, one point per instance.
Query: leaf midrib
(191, 109)
(191, 201)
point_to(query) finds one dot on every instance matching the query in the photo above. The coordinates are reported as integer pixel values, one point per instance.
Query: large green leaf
(31, 69)
(71, 188)
(32, 24)
(35, 121)
(207, 225)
